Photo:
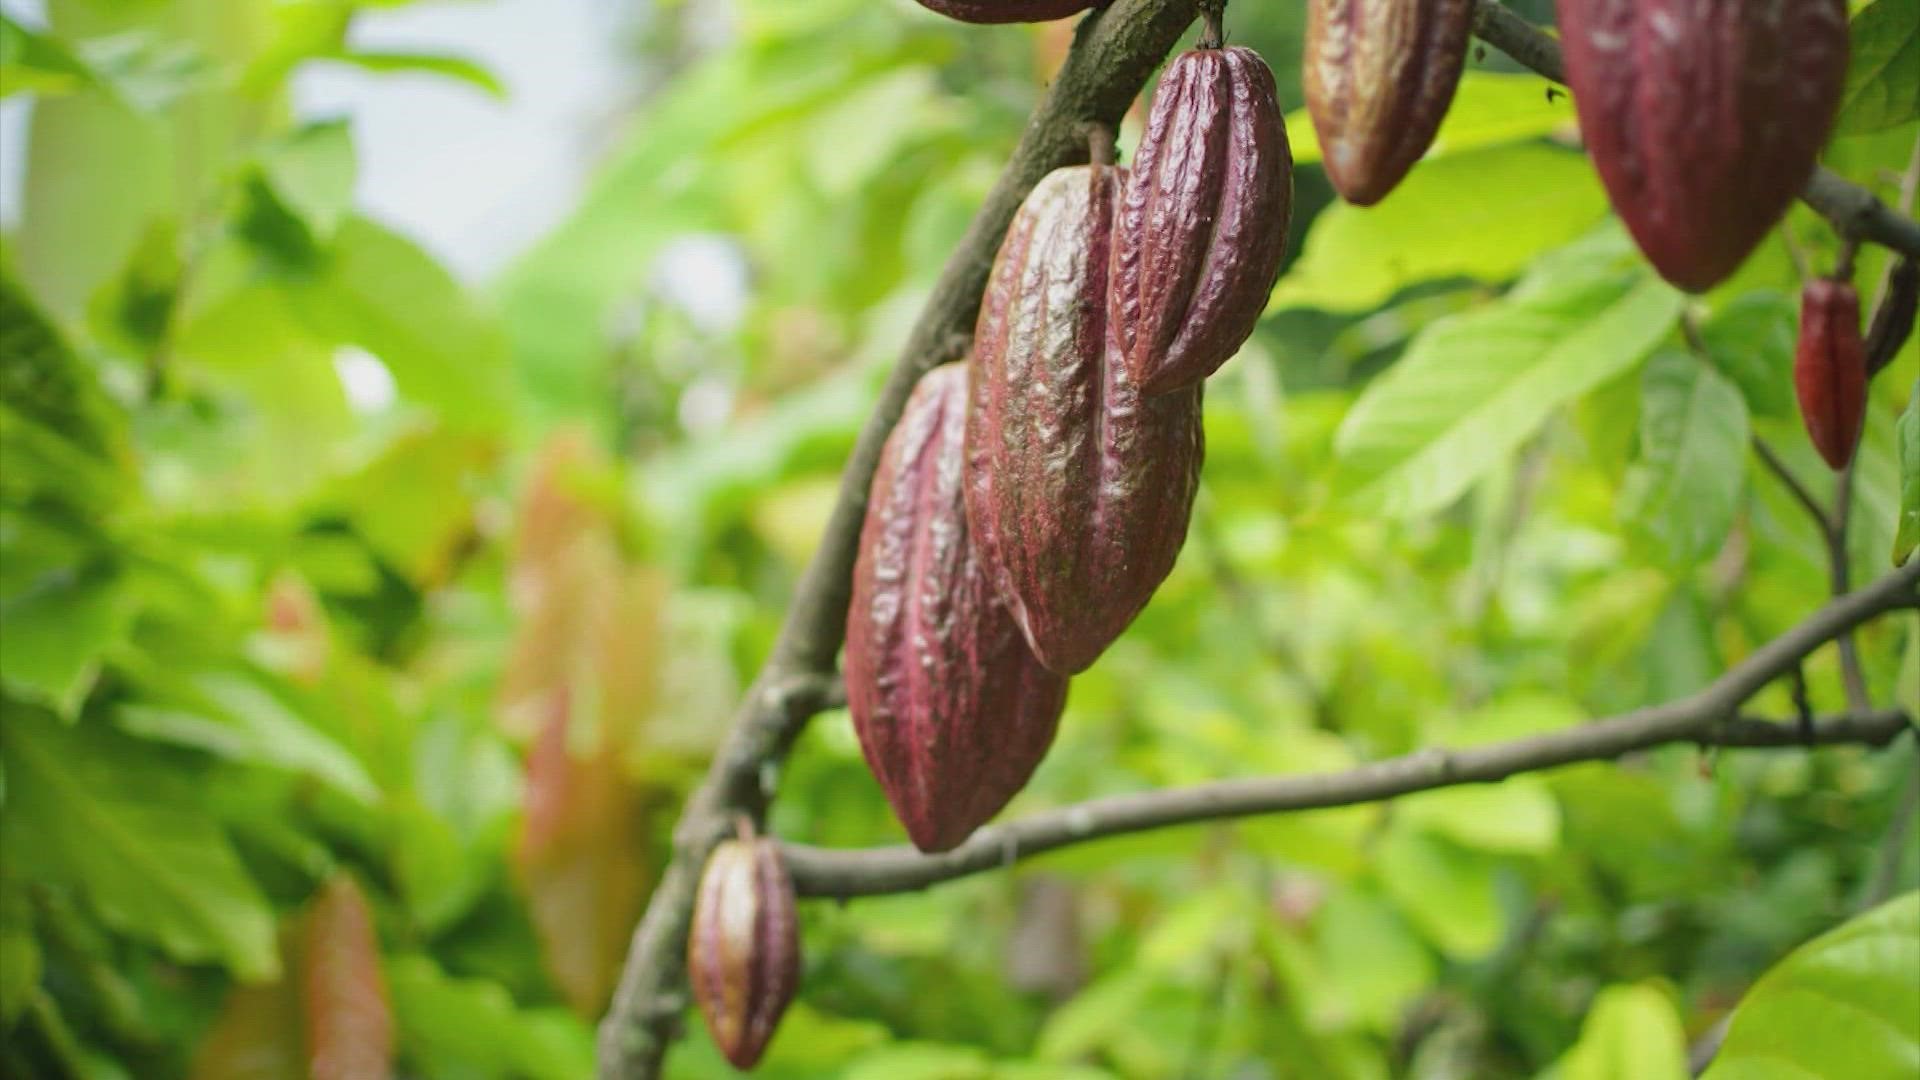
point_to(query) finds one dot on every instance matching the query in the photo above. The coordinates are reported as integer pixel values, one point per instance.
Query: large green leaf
(32, 62)
(1489, 108)
(98, 812)
(1483, 214)
(471, 1028)
(1471, 389)
(1631, 1033)
(1846, 1003)
(1684, 488)
(57, 631)
(1750, 340)
(1883, 75)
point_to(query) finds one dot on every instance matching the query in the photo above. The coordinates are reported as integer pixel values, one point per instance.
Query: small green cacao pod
(1008, 11)
(952, 709)
(1079, 487)
(1203, 224)
(1379, 75)
(1704, 119)
(1830, 368)
(743, 952)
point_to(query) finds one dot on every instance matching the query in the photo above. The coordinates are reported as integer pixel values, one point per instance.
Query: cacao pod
(1379, 75)
(1830, 368)
(1078, 486)
(1893, 317)
(1203, 223)
(1703, 119)
(1007, 11)
(743, 951)
(952, 709)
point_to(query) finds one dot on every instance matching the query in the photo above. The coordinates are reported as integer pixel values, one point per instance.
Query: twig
(1801, 493)
(1853, 210)
(1839, 574)
(1113, 52)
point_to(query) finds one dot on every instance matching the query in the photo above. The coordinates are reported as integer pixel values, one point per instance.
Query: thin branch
(1853, 210)
(1839, 574)
(1705, 717)
(1113, 53)
(1801, 493)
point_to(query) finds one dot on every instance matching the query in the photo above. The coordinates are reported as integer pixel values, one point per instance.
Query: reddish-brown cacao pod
(1008, 11)
(1203, 222)
(1703, 118)
(952, 709)
(1379, 75)
(1830, 368)
(743, 952)
(1079, 487)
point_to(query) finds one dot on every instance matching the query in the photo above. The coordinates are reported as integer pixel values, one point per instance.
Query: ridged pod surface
(1008, 11)
(1704, 117)
(1830, 368)
(743, 952)
(1379, 75)
(1078, 486)
(1203, 223)
(952, 709)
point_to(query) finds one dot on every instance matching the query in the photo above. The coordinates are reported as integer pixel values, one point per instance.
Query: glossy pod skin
(1079, 487)
(1704, 117)
(1830, 369)
(1379, 75)
(952, 709)
(1202, 226)
(743, 952)
(1007, 11)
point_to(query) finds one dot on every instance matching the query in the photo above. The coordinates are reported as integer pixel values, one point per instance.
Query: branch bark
(1853, 210)
(1706, 718)
(1113, 52)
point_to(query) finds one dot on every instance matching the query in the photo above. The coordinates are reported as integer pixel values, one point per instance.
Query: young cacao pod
(1007, 11)
(1830, 368)
(952, 709)
(1703, 119)
(1893, 316)
(743, 952)
(1379, 75)
(1078, 486)
(1203, 222)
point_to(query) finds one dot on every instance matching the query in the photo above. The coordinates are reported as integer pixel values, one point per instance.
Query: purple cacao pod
(1079, 487)
(1203, 223)
(1007, 11)
(952, 709)
(1379, 75)
(1704, 118)
(1830, 369)
(743, 952)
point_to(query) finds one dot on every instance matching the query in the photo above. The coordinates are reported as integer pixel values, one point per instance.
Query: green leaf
(457, 68)
(1750, 340)
(919, 1061)
(1844, 1004)
(1473, 388)
(1514, 817)
(383, 293)
(97, 812)
(57, 631)
(19, 950)
(1683, 490)
(146, 71)
(1489, 108)
(1631, 1033)
(470, 1028)
(36, 63)
(1883, 75)
(1907, 532)
(1483, 214)
(1445, 891)
(311, 172)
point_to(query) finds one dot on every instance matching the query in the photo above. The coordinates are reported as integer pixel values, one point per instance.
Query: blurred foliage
(330, 718)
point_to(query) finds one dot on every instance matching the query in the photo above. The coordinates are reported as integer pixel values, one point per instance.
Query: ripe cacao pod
(743, 952)
(1203, 222)
(1830, 368)
(1379, 75)
(1079, 487)
(952, 709)
(1007, 11)
(1703, 119)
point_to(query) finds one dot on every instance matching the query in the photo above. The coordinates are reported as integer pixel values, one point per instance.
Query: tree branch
(1706, 718)
(1113, 53)
(1853, 210)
